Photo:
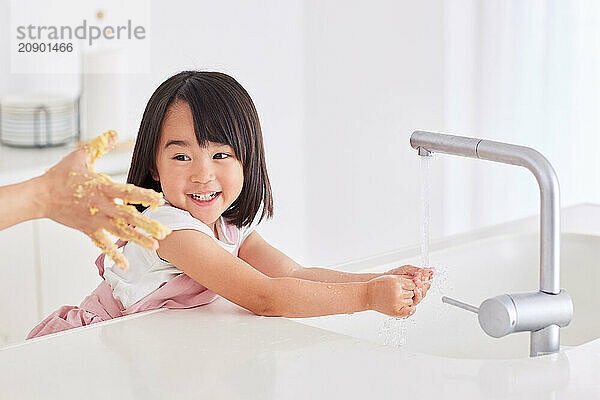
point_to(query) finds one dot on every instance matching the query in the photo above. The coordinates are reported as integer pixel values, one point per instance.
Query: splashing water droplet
(395, 329)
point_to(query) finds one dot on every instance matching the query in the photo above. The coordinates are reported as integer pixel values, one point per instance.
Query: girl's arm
(203, 260)
(331, 275)
(272, 262)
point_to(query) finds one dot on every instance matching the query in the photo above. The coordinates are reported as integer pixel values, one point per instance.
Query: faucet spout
(544, 340)
(524, 157)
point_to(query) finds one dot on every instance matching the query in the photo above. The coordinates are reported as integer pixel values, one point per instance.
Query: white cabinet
(67, 270)
(18, 292)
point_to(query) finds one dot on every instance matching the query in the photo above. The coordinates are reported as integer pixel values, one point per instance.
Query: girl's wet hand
(423, 274)
(391, 295)
(76, 196)
(420, 276)
(421, 292)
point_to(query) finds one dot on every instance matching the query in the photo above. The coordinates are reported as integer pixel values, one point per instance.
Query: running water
(440, 283)
(395, 329)
(425, 185)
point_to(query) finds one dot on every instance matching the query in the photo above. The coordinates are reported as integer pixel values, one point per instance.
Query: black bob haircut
(224, 113)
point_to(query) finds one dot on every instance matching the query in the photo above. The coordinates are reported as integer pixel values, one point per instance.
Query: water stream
(425, 185)
(440, 284)
(394, 330)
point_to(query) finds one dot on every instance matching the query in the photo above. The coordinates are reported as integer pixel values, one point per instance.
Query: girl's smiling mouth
(204, 199)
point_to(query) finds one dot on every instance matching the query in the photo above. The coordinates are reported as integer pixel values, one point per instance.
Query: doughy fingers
(134, 195)
(101, 240)
(100, 145)
(121, 229)
(153, 228)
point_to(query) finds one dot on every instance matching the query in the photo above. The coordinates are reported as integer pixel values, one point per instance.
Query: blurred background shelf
(18, 164)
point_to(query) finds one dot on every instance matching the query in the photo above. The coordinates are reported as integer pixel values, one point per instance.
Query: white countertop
(224, 351)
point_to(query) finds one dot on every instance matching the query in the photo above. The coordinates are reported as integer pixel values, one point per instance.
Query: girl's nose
(203, 175)
(202, 178)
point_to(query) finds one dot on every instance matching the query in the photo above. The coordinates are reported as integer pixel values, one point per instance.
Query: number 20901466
(45, 47)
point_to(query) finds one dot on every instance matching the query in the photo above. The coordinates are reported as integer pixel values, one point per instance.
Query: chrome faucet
(542, 312)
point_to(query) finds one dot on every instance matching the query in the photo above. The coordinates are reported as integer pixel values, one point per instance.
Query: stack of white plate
(35, 120)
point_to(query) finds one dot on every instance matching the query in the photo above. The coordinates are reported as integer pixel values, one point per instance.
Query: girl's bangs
(213, 116)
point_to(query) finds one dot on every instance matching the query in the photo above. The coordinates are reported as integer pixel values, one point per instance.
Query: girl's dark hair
(223, 112)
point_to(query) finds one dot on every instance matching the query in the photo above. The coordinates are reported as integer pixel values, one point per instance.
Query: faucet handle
(460, 304)
(497, 316)
(518, 312)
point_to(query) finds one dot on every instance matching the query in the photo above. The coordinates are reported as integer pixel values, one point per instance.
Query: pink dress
(179, 292)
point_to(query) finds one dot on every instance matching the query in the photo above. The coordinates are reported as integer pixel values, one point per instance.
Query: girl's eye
(181, 157)
(223, 154)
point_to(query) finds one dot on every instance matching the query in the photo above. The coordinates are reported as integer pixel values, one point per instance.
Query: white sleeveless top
(147, 271)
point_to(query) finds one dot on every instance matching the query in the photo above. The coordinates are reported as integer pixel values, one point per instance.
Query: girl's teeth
(204, 197)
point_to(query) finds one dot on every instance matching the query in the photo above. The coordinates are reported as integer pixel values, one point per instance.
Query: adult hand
(76, 196)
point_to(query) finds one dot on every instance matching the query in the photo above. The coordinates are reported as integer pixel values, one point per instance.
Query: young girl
(200, 143)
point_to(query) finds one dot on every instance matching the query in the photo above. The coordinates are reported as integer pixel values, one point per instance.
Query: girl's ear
(154, 175)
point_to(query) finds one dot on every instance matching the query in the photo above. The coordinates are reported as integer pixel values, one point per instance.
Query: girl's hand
(423, 274)
(420, 276)
(76, 196)
(391, 295)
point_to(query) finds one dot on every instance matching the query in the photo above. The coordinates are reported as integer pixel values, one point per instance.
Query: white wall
(373, 75)
(525, 73)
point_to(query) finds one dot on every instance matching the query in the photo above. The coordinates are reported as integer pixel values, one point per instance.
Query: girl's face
(190, 175)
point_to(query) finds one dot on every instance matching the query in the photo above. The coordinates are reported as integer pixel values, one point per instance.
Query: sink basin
(475, 271)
